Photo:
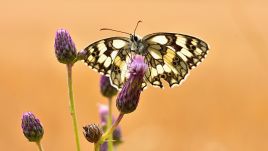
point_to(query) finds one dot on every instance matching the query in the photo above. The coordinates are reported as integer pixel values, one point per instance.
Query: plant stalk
(97, 147)
(40, 148)
(72, 106)
(109, 124)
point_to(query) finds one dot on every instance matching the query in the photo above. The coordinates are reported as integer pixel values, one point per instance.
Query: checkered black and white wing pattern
(171, 55)
(109, 57)
(119, 70)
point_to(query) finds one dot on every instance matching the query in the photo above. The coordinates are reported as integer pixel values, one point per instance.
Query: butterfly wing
(168, 66)
(192, 50)
(108, 56)
(119, 68)
(170, 55)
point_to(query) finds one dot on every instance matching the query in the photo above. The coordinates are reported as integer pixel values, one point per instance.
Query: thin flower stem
(111, 129)
(109, 124)
(96, 147)
(40, 148)
(72, 106)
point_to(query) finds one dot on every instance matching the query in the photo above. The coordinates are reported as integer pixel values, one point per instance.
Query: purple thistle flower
(128, 98)
(64, 47)
(106, 88)
(92, 133)
(32, 128)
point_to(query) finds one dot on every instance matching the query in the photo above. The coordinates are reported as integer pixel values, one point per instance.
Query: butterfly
(169, 56)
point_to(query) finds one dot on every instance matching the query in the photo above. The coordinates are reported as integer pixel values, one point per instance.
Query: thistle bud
(32, 128)
(128, 98)
(106, 88)
(64, 47)
(92, 133)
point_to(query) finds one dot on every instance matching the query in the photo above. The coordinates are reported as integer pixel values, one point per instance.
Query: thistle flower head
(106, 88)
(128, 98)
(92, 133)
(138, 66)
(64, 47)
(32, 128)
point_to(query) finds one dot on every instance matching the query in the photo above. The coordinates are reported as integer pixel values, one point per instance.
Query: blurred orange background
(222, 106)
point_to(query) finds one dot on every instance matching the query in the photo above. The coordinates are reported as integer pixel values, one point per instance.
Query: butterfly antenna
(115, 30)
(137, 26)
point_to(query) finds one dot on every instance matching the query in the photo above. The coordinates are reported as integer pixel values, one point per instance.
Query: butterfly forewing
(105, 56)
(190, 49)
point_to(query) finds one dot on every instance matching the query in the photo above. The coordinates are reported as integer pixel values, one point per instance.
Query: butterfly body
(169, 56)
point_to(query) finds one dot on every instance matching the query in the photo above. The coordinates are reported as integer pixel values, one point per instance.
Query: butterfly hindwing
(119, 68)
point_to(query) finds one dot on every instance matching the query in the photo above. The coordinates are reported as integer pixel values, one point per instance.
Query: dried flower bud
(92, 133)
(106, 88)
(32, 128)
(64, 47)
(128, 98)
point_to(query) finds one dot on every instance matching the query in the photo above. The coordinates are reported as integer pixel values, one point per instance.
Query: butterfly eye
(135, 38)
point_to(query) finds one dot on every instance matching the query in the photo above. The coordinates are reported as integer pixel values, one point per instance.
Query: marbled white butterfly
(169, 56)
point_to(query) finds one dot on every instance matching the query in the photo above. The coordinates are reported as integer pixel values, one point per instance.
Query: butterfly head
(136, 44)
(135, 39)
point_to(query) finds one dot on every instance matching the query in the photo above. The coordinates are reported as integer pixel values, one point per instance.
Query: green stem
(97, 147)
(111, 129)
(40, 148)
(109, 124)
(72, 106)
